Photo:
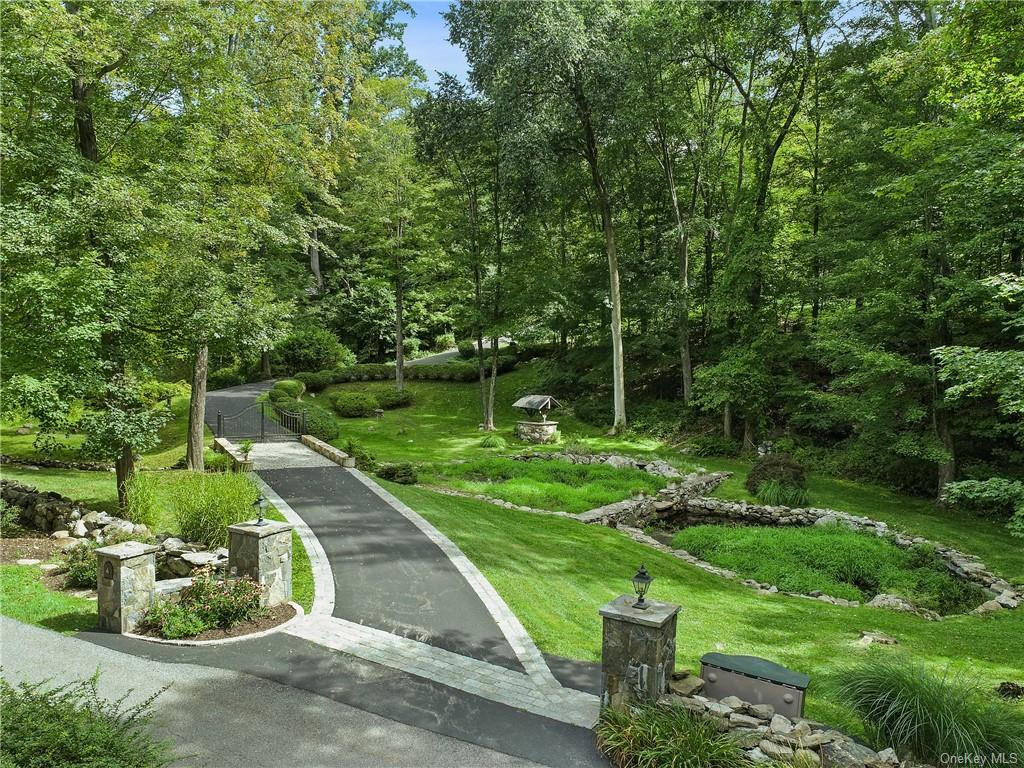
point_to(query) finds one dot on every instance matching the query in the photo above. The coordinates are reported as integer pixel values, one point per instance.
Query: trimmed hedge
(467, 349)
(365, 372)
(315, 382)
(291, 387)
(224, 377)
(354, 405)
(392, 398)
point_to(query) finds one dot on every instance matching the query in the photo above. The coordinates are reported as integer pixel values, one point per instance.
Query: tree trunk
(124, 468)
(313, 250)
(749, 435)
(399, 335)
(727, 421)
(197, 411)
(265, 364)
(489, 425)
(608, 228)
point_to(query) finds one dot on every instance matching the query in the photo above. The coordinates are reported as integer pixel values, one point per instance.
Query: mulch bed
(277, 615)
(34, 547)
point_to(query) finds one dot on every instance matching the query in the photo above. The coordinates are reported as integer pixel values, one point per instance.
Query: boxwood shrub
(291, 387)
(365, 372)
(354, 404)
(467, 349)
(315, 382)
(392, 398)
(402, 472)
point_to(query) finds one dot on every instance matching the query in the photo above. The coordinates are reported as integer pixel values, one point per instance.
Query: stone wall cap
(127, 549)
(270, 527)
(655, 615)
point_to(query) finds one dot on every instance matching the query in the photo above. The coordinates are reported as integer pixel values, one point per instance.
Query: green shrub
(714, 445)
(392, 398)
(354, 404)
(995, 497)
(315, 382)
(928, 715)
(443, 342)
(79, 565)
(140, 495)
(293, 388)
(206, 504)
(277, 395)
(224, 377)
(402, 472)
(10, 520)
(223, 603)
(312, 349)
(778, 467)
(467, 349)
(367, 372)
(659, 736)
(364, 459)
(776, 494)
(594, 410)
(72, 725)
(493, 441)
(578, 448)
(218, 462)
(174, 621)
(833, 559)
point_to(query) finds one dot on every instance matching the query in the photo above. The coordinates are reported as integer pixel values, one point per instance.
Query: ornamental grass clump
(206, 504)
(925, 715)
(656, 736)
(72, 725)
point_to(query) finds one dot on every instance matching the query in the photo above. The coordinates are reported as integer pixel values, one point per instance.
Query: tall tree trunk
(399, 333)
(608, 228)
(749, 434)
(265, 364)
(197, 410)
(492, 384)
(709, 274)
(124, 468)
(313, 251)
(816, 213)
(727, 421)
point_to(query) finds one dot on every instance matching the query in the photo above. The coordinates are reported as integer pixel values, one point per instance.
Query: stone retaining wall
(657, 467)
(87, 466)
(328, 451)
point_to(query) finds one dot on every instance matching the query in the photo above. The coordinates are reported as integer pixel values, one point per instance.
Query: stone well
(536, 431)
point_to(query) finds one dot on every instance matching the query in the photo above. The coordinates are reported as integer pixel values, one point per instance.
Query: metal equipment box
(754, 680)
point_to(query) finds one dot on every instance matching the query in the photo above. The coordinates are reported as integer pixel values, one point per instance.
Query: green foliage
(995, 497)
(366, 372)
(79, 566)
(312, 349)
(218, 462)
(320, 422)
(577, 448)
(141, 498)
(174, 621)
(10, 521)
(832, 559)
(72, 725)
(779, 468)
(364, 459)
(403, 473)
(444, 342)
(928, 715)
(291, 387)
(125, 419)
(777, 494)
(547, 484)
(493, 441)
(659, 736)
(316, 382)
(223, 378)
(208, 603)
(246, 447)
(206, 504)
(467, 349)
(354, 404)
(392, 398)
(713, 445)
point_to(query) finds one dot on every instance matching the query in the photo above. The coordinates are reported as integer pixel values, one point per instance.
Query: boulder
(178, 567)
(173, 545)
(990, 606)
(718, 708)
(806, 757)
(736, 719)
(27, 561)
(687, 686)
(199, 559)
(59, 535)
(887, 757)
(780, 724)
(746, 738)
(846, 754)
(1008, 599)
(761, 711)
(755, 755)
(733, 701)
(775, 751)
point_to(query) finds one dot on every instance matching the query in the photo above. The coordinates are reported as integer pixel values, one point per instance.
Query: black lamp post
(641, 583)
(261, 510)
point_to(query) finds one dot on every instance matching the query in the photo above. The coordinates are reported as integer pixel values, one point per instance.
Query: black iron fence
(262, 422)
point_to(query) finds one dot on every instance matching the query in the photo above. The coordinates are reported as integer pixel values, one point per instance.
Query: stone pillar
(638, 651)
(125, 584)
(263, 553)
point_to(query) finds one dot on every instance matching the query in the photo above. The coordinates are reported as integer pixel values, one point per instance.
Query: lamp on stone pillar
(641, 583)
(261, 510)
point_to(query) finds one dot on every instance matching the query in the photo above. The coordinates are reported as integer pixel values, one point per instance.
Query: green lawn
(24, 597)
(553, 485)
(556, 573)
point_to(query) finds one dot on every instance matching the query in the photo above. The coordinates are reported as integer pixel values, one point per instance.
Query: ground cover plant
(24, 596)
(834, 560)
(926, 714)
(555, 485)
(555, 573)
(72, 725)
(209, 602)
(656, 736)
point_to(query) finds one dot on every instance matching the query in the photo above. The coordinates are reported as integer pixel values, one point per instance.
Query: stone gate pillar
(638, 651)
(263, 553)
(125, 584)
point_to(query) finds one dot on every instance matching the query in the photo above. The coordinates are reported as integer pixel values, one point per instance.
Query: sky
(426, 40)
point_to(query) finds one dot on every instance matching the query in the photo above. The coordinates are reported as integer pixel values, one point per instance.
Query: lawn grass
(552, 485)
(24, 597)
(555, 574)
(833, 559)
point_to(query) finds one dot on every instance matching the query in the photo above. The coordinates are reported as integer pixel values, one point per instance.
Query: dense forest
(796, 222)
